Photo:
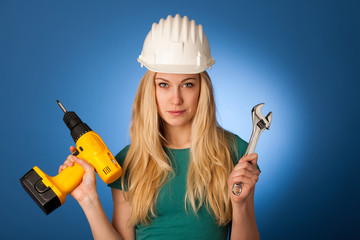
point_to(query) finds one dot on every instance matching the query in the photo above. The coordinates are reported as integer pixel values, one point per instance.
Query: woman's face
(177, 97)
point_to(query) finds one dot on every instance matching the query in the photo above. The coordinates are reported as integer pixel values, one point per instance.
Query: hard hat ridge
(184, 27)
(176, 25)
(176, 45)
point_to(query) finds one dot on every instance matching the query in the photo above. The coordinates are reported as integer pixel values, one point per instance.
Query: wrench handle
(250, 149)
(253, 141)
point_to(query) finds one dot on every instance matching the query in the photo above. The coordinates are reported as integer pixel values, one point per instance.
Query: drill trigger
(76, 153)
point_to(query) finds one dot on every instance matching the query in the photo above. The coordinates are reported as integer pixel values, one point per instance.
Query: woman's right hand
(87, 188)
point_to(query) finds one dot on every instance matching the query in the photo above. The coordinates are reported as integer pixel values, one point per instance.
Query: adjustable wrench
(259, 124)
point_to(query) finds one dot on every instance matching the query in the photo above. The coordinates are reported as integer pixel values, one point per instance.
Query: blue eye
(163, 84)
(188, 85)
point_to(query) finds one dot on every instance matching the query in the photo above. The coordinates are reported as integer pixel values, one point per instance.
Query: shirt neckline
(176, 149)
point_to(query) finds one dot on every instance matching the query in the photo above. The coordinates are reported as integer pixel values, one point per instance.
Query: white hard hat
(176, 45)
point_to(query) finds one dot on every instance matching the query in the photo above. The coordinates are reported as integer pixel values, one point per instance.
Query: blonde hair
(147, 166)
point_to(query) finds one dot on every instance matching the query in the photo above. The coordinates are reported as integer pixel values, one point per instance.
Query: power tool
(50, 192)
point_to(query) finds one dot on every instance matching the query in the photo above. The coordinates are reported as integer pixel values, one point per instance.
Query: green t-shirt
(173, 221)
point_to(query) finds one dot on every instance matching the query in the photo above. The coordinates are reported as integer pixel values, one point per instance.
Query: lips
(176, 113)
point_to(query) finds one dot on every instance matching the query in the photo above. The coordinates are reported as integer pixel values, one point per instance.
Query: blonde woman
(180, 167)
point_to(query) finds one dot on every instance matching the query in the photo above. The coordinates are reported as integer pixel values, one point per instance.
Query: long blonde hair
(147, 166)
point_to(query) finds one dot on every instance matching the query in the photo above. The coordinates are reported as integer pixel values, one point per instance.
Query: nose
(176, 98)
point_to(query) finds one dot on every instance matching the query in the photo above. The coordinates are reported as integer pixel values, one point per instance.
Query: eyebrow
(163, 79)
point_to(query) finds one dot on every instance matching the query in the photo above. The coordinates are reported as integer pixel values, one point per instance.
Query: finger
(86, 166)
(245, 173)
(252, 158)
(69, 161)
(62, 167)
(249, 181)
(72, 149)
(241, 172)
(241, 179)
(245, 165)
(254, 177)
(249, 158)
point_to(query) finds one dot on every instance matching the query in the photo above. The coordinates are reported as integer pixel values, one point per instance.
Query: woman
(181, 165)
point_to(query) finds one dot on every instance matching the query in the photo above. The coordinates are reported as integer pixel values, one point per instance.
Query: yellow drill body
(95, 152)
(50, 192)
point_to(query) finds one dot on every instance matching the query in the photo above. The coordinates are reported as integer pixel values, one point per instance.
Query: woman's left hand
(247, 173)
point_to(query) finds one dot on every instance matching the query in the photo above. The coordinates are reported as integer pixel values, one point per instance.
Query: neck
(178, 137)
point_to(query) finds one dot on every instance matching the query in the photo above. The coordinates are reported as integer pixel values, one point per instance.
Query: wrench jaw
(257, 110)
(259, 119)
(260, 123)
(268, 119)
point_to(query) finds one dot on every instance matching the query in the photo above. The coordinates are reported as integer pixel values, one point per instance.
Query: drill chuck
(73, 122)
(76, 126)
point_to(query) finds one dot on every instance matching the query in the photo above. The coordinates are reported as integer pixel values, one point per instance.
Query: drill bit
(61, 106)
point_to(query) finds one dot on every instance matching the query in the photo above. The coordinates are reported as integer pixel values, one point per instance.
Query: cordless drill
(50, 192)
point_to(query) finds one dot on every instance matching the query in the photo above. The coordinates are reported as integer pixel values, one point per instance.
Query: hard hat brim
(177, 69)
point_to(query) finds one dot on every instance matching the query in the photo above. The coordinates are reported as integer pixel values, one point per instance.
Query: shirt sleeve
(120, 158)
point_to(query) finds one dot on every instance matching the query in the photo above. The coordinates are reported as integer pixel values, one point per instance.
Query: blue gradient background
(299, 57)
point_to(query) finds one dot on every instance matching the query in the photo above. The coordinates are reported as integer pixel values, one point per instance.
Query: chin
(177, 123)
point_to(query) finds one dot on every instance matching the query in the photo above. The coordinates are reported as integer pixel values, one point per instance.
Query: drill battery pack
(44, 196)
